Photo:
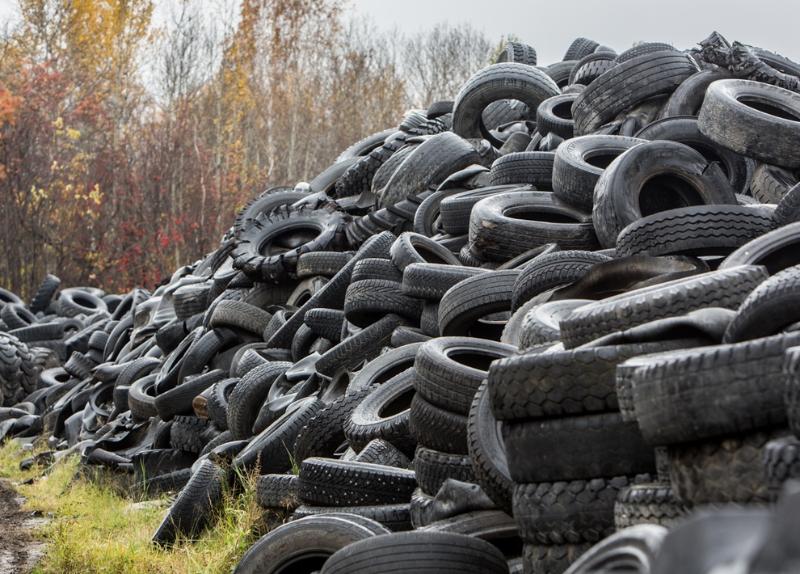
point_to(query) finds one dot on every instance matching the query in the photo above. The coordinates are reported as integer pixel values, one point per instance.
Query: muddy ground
(19, 548)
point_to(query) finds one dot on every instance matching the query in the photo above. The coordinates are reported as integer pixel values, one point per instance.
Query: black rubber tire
(433, 468)
(648, 504)
(524, 167)
(553, 270)
(517, 52)
(429, 552)
(324, 432)
(775, 250)
(653, 177)
(696, 230)
(141, 398)
(265, 202)
(270, 451)
(16, 316)
(724, 288)
(395, 517)
(437, 428)
(384, 414)
(330, 482)
(554, 115)
(178, 401)
(190, 434)
(304, 545)
(379, 451)
(675, 394)
(277, 491)
(686, 130)
(387, 169)
(429, 319)
(411, 248)
(365, 145)
(75, 301)
(18, 375)
(217, 405)
(455, 210)
(561, 383)
(385, 367)
(322, 263)
(781, 462)
(515, 81)
(427, 218)
(464, 304)
(688, 97)
(190, 300)
(560, 72)
(723, 470)
(431, 281)
(449, 370)
(590, 67)
(45, 293)
(359, 176)
(551, 558)
(568, 512)
(370, 299)
(642, 49)
(363, 346)
(281, 260)
(628, 83)
(576, 448)
(427, 166)
(770, 183)
(487, 451)
(540, 325)
(580, 162)
(579, 48)
(193, 507)
(788, 209)
(764, 129)
(768, 309)
(326, 323)
(382, 269)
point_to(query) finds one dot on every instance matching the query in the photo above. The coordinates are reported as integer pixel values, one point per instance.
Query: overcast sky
(550, 25)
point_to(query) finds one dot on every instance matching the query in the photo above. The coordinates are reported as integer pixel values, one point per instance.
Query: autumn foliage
(128, 139)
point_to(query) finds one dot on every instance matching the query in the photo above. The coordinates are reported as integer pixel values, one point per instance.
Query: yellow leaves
(71, 133)
(95, 194)
(37, 196)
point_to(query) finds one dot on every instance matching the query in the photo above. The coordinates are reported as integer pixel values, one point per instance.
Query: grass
(94, 529)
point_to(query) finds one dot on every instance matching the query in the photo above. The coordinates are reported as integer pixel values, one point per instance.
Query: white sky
(550, 25)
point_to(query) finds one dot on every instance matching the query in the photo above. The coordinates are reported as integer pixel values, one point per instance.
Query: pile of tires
(526, 331)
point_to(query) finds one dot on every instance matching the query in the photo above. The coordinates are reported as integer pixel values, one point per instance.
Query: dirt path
(19, 549)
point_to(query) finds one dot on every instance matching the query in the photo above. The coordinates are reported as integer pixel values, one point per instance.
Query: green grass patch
(93, 528)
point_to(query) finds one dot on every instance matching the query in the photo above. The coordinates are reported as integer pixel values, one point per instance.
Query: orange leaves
(9, 103)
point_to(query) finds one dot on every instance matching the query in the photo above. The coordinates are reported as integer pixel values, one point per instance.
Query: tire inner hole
(667, 191)
(429, 255)
(288, 240)
(397, 405)
(770, 108)
(480, 361)
(563, 110)
(601, 159)
(392, 371)
(533, 214)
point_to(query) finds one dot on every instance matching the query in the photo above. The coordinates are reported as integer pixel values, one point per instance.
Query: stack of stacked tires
(529, 330)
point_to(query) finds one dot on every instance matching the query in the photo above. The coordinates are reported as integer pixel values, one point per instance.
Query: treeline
(128, 140)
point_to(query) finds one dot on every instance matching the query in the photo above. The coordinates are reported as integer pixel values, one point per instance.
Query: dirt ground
(19, 549)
